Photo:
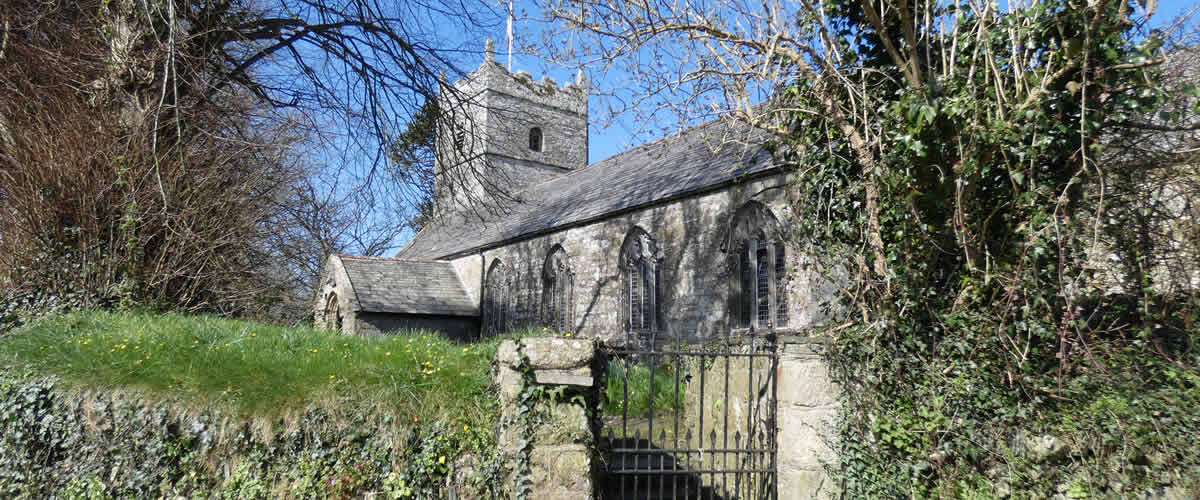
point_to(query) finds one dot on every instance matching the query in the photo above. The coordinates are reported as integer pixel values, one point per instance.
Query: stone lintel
(558, 353)
(578, 376)
(548, 353)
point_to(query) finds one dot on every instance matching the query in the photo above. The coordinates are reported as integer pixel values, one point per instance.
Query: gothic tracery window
(759, 285)
(558, 287)
(496, 299)
(639, 265)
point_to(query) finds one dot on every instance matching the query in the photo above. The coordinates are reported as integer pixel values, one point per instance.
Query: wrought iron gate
(691, 420)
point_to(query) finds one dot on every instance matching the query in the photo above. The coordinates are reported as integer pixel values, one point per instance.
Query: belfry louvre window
(639, 265)
(758, 290)
(558, 287)
(496, 300)
(535, 139)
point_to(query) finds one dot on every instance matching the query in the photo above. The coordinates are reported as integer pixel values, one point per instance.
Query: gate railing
(691, 420)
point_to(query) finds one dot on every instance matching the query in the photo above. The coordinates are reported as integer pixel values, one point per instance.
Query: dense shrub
(118, 405)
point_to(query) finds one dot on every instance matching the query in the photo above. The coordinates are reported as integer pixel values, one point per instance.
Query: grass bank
(257, 369)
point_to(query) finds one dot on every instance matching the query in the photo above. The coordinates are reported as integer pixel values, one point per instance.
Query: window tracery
(496, 299)
(758, 290)
(558, 287)
(640, 273)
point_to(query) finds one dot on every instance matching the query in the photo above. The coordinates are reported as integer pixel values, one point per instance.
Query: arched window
(535, 139)
(758, 290)
(460, 138)
(333, 313)
(639, 270)
(496, 300)
(558, 287)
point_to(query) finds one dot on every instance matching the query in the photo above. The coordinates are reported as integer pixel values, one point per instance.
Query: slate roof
(688, 162)
(407, 286)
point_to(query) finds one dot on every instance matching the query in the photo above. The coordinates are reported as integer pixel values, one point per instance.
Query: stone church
(685, 237)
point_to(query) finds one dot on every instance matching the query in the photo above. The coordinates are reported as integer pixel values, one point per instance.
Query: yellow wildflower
(442, 459)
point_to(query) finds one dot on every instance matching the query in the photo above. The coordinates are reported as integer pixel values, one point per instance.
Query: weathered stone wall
(336, 285)
(696, 274)
(486, 142)
(454, 327)
(546, 433)
(807, 407)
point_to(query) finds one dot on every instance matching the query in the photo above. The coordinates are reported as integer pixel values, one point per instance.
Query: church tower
(503, 131)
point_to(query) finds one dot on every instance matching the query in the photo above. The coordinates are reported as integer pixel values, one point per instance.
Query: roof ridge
(627, 152)
(685, 163)
(396, 259)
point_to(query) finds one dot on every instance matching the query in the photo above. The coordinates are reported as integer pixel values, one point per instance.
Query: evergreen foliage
(967, 180)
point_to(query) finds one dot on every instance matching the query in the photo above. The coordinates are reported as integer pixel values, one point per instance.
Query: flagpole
(510, 33)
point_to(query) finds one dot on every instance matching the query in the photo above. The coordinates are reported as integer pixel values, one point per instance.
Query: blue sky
(626, 131)
(623, 131)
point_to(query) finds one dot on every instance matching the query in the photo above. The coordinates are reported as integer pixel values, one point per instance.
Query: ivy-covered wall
(56, 443)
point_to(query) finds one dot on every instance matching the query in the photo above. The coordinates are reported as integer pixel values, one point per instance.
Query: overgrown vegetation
(207, 156)
(257, 369)
(126, 403)
(628, 384)
(56, 442)
(1006, 194)
(1016, 332)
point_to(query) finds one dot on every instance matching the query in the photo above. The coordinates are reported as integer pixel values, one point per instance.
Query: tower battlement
(509, 128)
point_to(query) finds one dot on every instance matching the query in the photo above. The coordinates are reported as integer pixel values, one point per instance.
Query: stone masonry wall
(546, 435)
(487, 139)
(807, 407)
(463, 328)
(695, 279)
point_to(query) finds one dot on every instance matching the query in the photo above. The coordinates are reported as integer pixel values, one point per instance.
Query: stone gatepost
(807, 408)
(545, 435)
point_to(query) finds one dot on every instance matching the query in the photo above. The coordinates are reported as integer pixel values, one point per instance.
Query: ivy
(984, 327)
(113, 445)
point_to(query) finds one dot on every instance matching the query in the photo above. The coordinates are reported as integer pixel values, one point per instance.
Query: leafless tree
(206, 154)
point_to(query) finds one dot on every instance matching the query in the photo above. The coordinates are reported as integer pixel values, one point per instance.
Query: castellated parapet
(508, 131)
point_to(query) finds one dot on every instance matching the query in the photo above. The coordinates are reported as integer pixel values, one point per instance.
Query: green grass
(629, 383)
(257, 369)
